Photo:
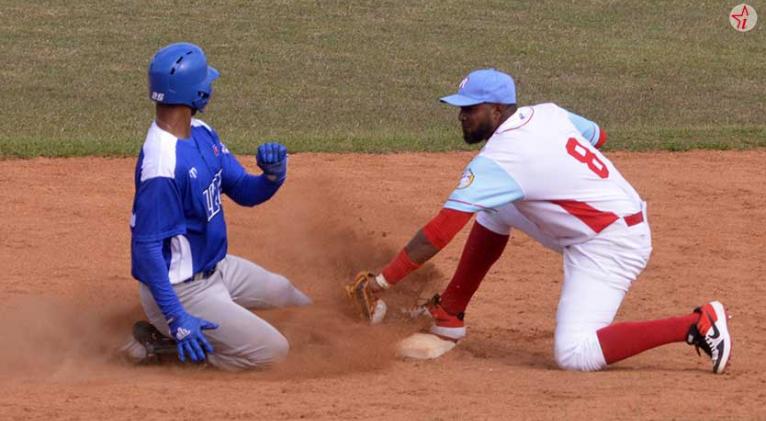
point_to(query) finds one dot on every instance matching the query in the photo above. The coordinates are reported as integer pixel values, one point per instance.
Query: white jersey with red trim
(543, 160)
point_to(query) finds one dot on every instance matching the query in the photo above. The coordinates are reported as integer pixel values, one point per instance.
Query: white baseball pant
(597, 274)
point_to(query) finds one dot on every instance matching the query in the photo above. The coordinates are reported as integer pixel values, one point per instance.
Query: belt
(634, 219)
(201, 275)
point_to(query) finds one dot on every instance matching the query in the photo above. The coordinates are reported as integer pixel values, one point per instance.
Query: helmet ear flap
(205, 90)
(203, 97)
(200, 103)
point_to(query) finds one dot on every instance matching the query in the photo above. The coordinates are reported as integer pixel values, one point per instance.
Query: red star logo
(215, 150)
(741, 17)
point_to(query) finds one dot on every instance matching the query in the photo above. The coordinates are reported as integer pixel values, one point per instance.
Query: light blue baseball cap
(484, 86)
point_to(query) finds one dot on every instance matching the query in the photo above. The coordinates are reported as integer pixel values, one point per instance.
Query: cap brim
(458, 100)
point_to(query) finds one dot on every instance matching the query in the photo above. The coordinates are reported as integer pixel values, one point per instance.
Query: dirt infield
(67, 299)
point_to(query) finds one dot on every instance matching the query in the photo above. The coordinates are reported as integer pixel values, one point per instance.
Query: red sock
(622, 340)
(481, 251)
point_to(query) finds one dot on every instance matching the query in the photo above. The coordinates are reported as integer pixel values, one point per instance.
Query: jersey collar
(521, 117)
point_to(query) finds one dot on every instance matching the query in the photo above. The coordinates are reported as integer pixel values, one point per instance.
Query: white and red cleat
(445, 325)
(711, 334)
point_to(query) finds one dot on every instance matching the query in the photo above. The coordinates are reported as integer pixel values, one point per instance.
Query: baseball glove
(370, 307)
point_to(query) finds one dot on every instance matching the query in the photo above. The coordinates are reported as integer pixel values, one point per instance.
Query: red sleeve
(444, 226)
(439, 231)
(601, 138)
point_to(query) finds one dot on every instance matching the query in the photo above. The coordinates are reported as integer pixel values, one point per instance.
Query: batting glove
(272, 159)
(187, 332)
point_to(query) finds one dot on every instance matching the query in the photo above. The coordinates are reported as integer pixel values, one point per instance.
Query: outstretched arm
(424, 245)
(485, 186)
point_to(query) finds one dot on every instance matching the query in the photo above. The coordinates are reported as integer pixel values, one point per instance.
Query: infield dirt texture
(68, 299)
(350, 77)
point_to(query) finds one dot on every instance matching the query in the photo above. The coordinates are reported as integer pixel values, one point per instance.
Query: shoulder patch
(159, 154)
(466, 180)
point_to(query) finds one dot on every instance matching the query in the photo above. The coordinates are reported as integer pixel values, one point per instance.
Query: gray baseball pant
(242, 340)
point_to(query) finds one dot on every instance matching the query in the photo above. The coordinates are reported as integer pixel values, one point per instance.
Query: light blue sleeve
(485, 186)
(587, 128)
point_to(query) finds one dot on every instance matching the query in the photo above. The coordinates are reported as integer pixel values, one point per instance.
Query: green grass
(366, 75)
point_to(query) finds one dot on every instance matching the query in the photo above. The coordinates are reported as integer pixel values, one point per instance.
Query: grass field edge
(638, 140)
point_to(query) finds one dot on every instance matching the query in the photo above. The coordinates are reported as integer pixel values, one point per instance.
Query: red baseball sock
(622, 340)
(481, 251)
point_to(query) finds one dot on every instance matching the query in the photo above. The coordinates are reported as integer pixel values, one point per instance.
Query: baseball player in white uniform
(541, 172)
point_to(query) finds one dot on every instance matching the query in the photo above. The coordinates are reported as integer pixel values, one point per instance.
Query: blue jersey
(178, 201)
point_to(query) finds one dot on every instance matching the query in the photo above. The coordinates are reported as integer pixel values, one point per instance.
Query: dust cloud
(71, 337)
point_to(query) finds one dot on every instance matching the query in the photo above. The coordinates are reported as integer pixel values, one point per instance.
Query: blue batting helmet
(179, 74)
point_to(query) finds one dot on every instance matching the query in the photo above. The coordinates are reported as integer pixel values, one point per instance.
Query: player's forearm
(426, 243)
(420, 248)
(253, 190)
(149, 268)
(418, 251)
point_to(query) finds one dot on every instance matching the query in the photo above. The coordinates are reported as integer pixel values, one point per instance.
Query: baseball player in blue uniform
(196, 296)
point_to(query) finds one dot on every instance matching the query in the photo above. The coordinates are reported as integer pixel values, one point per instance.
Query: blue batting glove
(272, 159)
(187, 332)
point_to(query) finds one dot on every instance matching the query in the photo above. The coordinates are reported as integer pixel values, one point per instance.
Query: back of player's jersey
(541, 161)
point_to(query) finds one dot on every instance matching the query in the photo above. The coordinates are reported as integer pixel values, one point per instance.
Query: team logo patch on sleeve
(466, 180)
